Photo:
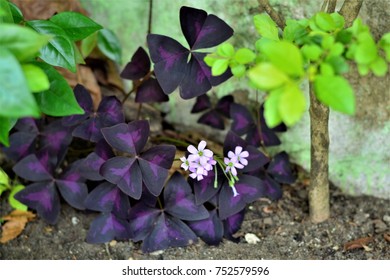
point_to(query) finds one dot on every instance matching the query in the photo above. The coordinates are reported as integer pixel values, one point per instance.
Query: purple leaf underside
(232, 224)
(138, 67)
(150, 91)
(210, 230)
(107, 227)
(213, 119)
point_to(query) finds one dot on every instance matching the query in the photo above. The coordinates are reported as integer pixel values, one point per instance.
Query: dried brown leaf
(16, 222)
(358, 243)
(386, 236)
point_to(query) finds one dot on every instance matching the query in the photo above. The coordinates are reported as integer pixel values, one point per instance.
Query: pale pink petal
(238, 165)
(192, 149)
(226, 160)
(231, 154)
(208, 153)
(238, 150)
(244, 161)
(244, 154)
(202, 145)
(234, 171)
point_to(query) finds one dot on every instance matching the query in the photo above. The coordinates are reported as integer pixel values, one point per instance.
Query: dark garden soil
(282, 227)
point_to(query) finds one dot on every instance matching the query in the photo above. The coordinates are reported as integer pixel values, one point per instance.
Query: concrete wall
(360, 145)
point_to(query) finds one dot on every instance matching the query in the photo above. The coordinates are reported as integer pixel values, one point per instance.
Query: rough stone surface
(359, 146)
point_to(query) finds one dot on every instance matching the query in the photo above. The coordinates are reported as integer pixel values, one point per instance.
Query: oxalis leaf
(60, 50)
(76, 25)
(59, 99)
(336, 92)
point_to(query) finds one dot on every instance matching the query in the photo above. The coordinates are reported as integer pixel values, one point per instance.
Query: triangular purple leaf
(150, 91)
(168, 232)
(242, 119)
(223, 105)
(84, 99)
(74, 193)
(202, 103)
(204, 189)
(130, 138)
(180, 202)
(162, 155)
(125, 173)
(280, 169)
(142, 219)
(138, 67)
(232, 224)
(89, 130)
(153, 176)
(43, 198)
(110, 111)
(272, 188)
(256, 159)
(107, 197)
(202, 30)
(213, 119)
(249, 189)
(107, 227)
(33, 168)
(170, 59)
(210, 230)
(21, 144)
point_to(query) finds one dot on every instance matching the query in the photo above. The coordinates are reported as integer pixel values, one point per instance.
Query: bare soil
(283, 228)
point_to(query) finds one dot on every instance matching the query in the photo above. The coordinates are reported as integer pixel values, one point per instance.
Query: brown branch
(277, 17)
(331, 6)
(350, 10)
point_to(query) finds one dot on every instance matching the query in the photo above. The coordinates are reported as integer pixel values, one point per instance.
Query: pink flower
(239, 155)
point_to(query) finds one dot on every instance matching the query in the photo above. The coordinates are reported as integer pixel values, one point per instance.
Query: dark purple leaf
(213, 119)
(43, 198)
(130, 138)
(84, 99)
(249, 189)
(142, 220)
(209, 230)
(232, 140)
(272, 188)
(138, 67)
(125, 173)
(33, 168)
(90, 168)
(202, 103)
(202, 30)
(56, 138)
(280, 169)
(89, 130)
(21, 144)
(204, 189)
(242, 119)
(162, 155)
(153, 176)
(110, 111)
(28, 125)
(170, 59)
(106, 198)
(223, 105)
(150, 91)
(168, 232)
(180, 202)
(107, 227)
(232, 224)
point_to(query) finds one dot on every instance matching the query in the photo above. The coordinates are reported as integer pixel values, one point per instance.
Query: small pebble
(360, 218)
(380, 226)
(75, 221)
(251, 238)
(113, 243)
(268, 221)
(157, 253)
(386, 218)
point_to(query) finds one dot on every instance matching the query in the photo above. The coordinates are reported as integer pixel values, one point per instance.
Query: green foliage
(7, 185)
(88, 44)
(318, 49)
(109, 44)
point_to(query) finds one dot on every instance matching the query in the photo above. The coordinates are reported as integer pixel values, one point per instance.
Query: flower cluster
(199, 162)
(236, 160)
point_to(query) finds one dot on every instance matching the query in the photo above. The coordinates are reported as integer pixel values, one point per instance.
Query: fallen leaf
(16, 222)
(358, 243)
(386, 236)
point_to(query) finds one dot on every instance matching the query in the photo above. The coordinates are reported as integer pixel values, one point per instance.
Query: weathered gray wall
(360, 145)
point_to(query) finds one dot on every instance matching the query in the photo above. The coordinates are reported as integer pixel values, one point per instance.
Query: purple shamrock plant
(176, 66)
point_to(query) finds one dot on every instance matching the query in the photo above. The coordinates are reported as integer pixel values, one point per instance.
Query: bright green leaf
(4, 179)
(285, 56)
(13, 202)
(326, 69)
(295, 31)
(109, 44)
(379, 67)
(15, 98)
(244, 56)
(76, 25)
(335, 92)
(16, 13)
(366, 51)
(363, 69)
(338, 20)
(266, 27)
(336, 50)
(23, 42)
(266, 76)
(225, 50)
(325, 21)
(271, 108)
(210, 59)
(6, 15)
(292, 104)
(88, 44)
(36, 78)
(59, 51)
(339, 64)
(384, 43)
(219, 67)
(358, 27)
(6, 124)
(327, 41)
(344, 36)
(78, 57)
(59, 99)
(311, 52)
(2, 189)
(238, 71)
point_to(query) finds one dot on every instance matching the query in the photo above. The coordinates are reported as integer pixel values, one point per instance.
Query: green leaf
(36, 78)
(339, 64)
(238, 71)
(219, 67)
(6, 124)
(2, 189)
(78, 57)
(76, 25)
(344, 37)
(16, 13)
(210, 59)
(295, 31)
(6, 15)
(327, 41)
(59, 99)
(59, 51)
(338, 19)
(266, 27)
(363, 69)
(23, 42)
(244, 56)
(4, 179)
(384, 43)
(379, 67)
(358, 27)
(225, 50)
(15, 98)
(88, 44)
(13, 202)
(311, 52)
(271, 108)
(292, 104)
(335, 92)
(325, 21)
(284, 55)
(366, 51)
(266, 76)
(109, 44)
(336, 50)
(326, 69)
